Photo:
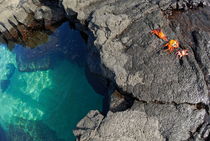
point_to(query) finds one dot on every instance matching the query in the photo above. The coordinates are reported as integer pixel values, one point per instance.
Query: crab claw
(182, 53)
(159, 34)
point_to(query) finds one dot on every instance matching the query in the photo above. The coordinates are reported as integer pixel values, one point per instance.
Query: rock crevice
(167, 98)
(172, 91)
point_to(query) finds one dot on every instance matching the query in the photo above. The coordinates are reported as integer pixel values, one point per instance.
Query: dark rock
(123, 50)
(11, 69)
(171, 94)
(20, 13)
(4, 84)
(120, 102)
(49, 14)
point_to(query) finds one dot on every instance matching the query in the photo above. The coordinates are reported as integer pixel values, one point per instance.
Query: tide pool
(44, 91)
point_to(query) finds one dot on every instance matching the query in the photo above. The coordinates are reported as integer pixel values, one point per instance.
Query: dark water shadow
(31, 131)
(64, 44)
(3, 135)
(102, 86)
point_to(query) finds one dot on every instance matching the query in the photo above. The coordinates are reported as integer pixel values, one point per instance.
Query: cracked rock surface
(170, 93)
(164, 98)
(124, 129)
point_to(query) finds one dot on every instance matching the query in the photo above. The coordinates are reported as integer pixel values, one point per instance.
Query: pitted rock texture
(122, 49)
(177, 122)
(143, 122)
(130, 125)
(139, 64)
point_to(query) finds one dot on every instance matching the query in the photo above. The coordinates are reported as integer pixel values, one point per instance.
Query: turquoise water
(44, 91)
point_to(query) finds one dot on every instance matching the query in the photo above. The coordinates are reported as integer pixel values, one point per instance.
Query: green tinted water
(57, 97)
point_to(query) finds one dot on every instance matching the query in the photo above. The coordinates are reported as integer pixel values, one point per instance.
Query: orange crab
(182, 53)
(172, 44)
(159, 34)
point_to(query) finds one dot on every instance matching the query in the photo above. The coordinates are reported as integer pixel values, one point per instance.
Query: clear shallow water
(44, 91)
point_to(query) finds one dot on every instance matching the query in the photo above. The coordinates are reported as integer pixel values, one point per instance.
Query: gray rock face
(176, 121)
(16, 18)
(171, 91)
(130, 125)
(138, 63)
(87, 127)
(171, 94)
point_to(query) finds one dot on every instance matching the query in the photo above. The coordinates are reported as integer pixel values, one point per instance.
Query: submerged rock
(33, 65)
(17, 22)
(11, 69)
(9, 73)
(31, 131)
(4, 85)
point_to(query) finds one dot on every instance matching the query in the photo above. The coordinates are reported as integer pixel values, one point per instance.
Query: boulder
(121, 48)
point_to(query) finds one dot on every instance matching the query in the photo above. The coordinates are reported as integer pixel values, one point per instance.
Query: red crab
(182, 53)
(171, 45)
(159, 34)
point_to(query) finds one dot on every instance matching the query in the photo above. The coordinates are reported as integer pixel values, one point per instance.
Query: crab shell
(172, 44)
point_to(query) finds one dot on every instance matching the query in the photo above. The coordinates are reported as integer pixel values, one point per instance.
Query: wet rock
(20, 13)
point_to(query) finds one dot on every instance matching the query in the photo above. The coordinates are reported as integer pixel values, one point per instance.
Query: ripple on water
(46, 103)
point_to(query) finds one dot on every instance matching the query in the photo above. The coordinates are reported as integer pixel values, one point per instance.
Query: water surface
(44, 91)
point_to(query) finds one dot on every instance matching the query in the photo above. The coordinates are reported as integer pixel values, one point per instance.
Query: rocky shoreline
(159, 96)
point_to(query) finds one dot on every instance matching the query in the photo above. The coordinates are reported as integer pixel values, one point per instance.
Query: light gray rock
(176, 121)
(124, 126)
(87, 127)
